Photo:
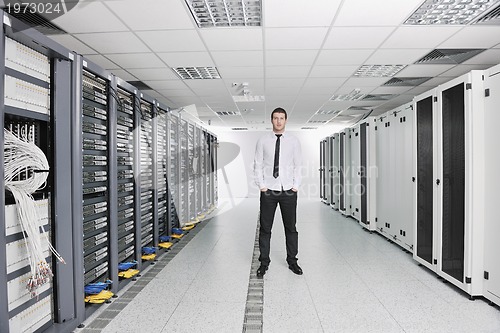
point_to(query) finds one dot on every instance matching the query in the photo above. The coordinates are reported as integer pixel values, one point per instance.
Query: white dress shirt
(290, 161)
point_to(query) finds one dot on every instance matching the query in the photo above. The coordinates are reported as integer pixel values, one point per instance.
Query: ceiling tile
(151, 15)
(294, 38)
(102, 61)
(343, 57)
(322, 85)
(167, 84)
(207, 87)
(299, 13)
(284, 82)
(238, 58)
(489, 57)
(434, 82)
(397, 56)
(333, 71)
(423, 70)
(136, 60)
(172, 40)
(282, 90)
(248, 38)
(462, 69)
(176, 92)
(356, 37)
(123, 74)
(73, 44)
(187, 59)
(113, 42)
(422, 37)
(287, 72)
(366, 81)
(93, 17)
(290, 58)
(375, 13)
(153, 74)
(390, 90)
(484, 36)
(241, 73)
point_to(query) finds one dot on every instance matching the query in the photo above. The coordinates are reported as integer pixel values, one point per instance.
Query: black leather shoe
(296, 269)
(261, 271)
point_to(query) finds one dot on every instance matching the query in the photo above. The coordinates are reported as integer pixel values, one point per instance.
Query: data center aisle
(353, 281)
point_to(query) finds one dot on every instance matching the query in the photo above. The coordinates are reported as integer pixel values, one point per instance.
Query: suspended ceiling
(303, 57)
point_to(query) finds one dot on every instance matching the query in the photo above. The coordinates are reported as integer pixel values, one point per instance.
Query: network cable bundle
(26, 170)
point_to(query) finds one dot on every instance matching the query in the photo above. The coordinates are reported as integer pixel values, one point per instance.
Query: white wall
(235, 160)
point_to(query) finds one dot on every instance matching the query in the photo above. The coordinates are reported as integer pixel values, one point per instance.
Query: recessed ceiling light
(406, 81)
(352, 96)
(228, 113)
(197, 73)
(448, 56)
(378, 70)
(449, 11)
(225, 13)
(331, 112)
(308, 128)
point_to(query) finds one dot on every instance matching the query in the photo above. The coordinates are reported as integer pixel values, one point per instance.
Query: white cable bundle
(22, 157)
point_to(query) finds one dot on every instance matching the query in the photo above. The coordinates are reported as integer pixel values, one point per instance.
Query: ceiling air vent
(37, 21)
(492, 17)
(330, 112)
(406, 81)
(228, 113)
(448, 56)
(308, 128)
(317, 121)
(377, 97)
(239, 129)
(352, 96)
(197, 73)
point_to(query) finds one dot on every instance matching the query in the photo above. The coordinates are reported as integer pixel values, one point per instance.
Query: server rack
(127, 141)
(149, 213)
(491, 275)
(368, 174)
(31, 67)
(345, 172)
(327, 183)
(191, 170)
(355, 173)
(322, 169)
(173, 162)
(162, 184)
(457, 183)
(335, 171)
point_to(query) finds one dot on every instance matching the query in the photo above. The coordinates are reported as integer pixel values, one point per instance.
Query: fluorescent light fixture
(329, 112)
(450, 11)
(197, 73)
(378, 70)
(225, 13)
(228, 113)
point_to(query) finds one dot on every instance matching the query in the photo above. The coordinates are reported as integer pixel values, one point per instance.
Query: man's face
(279, 122)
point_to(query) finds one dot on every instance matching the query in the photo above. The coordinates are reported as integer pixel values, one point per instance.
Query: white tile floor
(353, 281)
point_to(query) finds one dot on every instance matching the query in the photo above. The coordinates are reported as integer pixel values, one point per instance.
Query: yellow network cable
(128, 273)
(165, 245)
(100, 298)
(151, 256)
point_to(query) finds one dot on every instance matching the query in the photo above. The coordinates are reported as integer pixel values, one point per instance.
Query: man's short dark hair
(278, 110)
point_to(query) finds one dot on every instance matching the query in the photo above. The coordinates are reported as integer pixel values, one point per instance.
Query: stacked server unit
(114, 183)
(173, 161)
(126, 156)
(147, 173)
(95, 177)
(162, 150)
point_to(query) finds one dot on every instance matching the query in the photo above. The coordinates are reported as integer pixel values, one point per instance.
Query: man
(277, 173)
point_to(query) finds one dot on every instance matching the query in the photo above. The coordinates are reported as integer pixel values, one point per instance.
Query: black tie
(277, 157)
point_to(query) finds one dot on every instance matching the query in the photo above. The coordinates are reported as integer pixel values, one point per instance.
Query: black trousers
(288, 206)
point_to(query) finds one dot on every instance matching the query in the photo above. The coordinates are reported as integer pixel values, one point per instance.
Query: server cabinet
(335, 171)
(34, 103)
(383, 185)
(327, 179)
(355, 173)
(425, 148)
(345, 172)
(368, 174)
(322, 171)
(491, 275)
(457, 182)
(162, 183)
(173, 162)
(460, 183)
